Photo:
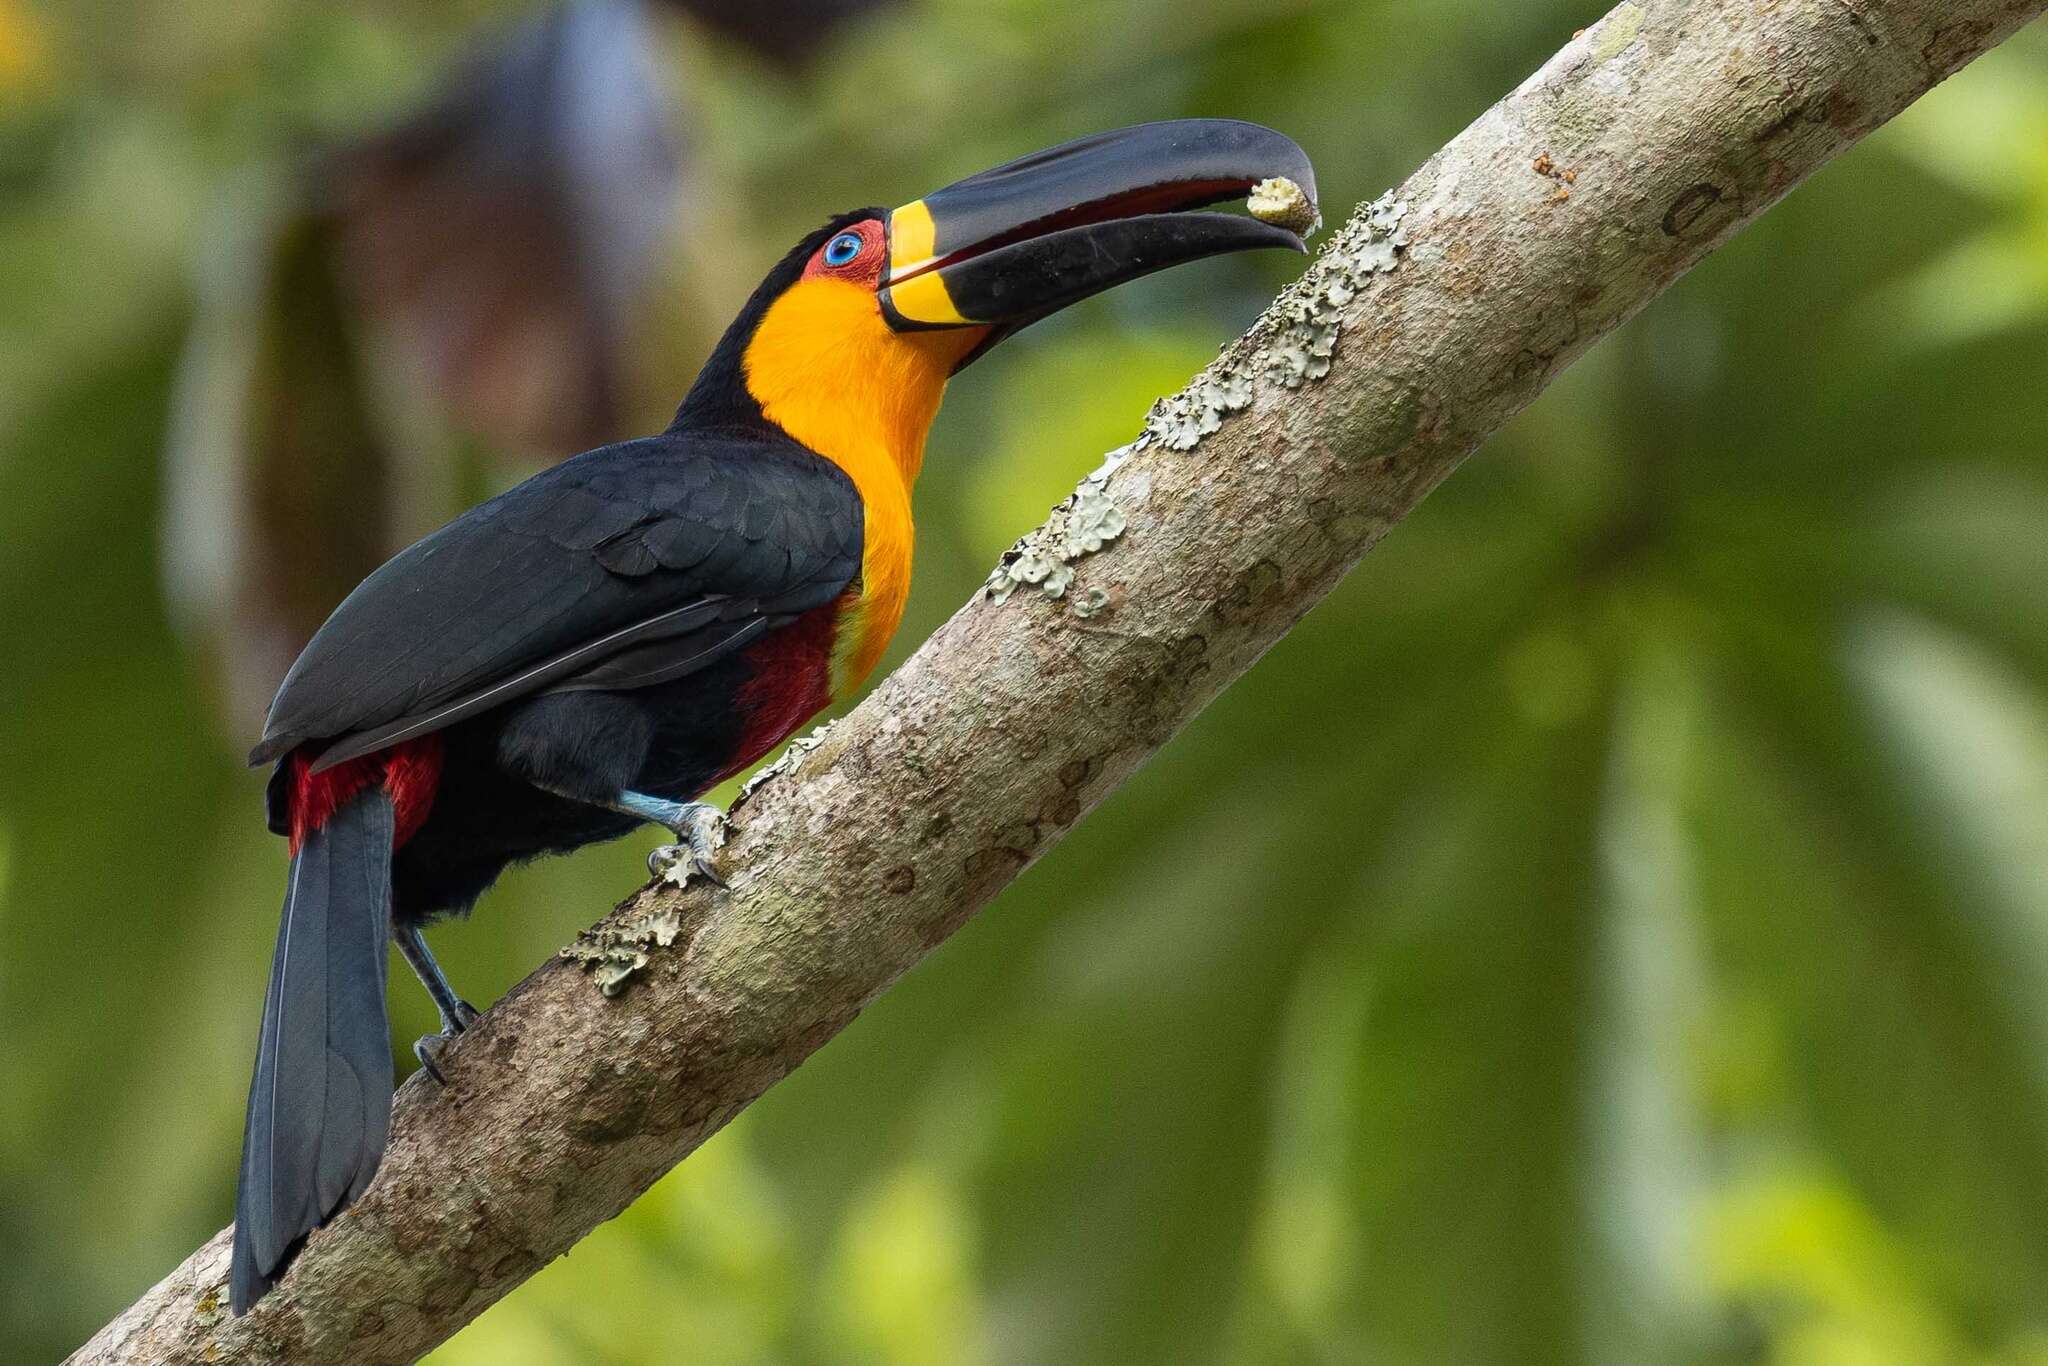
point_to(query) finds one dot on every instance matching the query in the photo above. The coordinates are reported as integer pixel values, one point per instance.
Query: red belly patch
(792, 682)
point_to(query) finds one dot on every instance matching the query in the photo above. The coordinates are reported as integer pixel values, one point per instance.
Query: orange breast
(827, 368)
(873, 609)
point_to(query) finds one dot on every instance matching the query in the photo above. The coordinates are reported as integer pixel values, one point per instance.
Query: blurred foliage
(472, 268)
(1613, 929)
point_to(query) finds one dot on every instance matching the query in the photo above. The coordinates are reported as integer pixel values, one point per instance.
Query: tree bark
(1424, 325)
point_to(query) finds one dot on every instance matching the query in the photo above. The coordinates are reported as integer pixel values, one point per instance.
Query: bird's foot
(701, 830)
(428, 1048)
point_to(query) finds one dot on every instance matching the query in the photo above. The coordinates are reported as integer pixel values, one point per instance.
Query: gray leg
(456, 1014)
(699, 828)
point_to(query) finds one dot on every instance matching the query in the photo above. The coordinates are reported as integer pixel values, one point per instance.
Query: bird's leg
(456, 1014)
(699, 828)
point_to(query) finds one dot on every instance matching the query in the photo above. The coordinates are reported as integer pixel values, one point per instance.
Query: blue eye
(842, 249)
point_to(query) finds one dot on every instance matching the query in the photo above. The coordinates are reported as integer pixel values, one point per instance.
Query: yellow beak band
(921, 298)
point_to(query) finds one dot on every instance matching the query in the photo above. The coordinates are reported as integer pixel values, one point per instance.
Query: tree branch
(1645, 143)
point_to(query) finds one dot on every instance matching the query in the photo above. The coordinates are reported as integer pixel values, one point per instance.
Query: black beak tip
(1243, 232)
(1021, 241)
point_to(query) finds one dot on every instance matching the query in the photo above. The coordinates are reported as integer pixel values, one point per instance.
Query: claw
(428, 1047)
(678, 864)
(424, 1049)
(702, 832)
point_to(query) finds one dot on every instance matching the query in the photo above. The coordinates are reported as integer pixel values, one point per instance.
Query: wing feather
(663, 551)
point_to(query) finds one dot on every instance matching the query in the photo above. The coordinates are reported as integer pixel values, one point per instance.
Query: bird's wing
(624, 567)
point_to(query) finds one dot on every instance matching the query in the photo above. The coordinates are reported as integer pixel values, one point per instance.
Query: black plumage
(320, 1100)
(710, 531)
(581, 635)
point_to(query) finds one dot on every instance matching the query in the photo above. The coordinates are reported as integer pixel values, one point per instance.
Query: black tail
(320, 1102)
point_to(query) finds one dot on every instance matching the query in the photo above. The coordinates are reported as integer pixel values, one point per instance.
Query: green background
(1613, 928)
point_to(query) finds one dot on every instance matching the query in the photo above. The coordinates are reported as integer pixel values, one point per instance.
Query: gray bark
(1642, 145)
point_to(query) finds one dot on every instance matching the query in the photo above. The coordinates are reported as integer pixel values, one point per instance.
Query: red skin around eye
(863, 269)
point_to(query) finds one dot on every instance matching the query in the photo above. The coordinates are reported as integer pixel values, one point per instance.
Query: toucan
(599, 646)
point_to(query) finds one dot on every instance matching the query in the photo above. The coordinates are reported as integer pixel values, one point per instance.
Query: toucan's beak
(1009, 246)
